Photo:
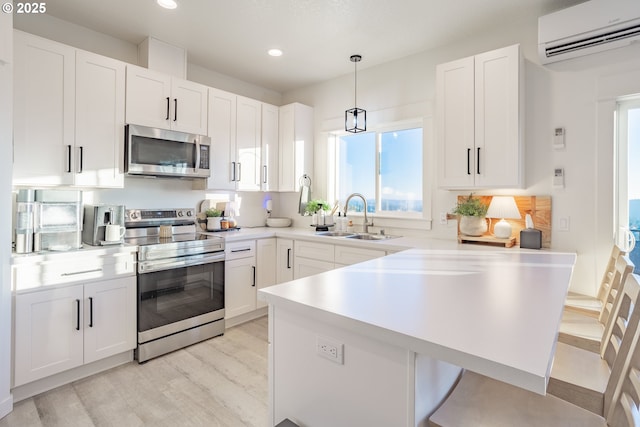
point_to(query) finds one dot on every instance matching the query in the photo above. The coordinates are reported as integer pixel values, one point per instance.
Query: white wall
(6, 134)
(565, 95)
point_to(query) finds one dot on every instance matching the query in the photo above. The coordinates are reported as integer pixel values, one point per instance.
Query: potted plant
(471, 212)
(316, 205)
(213, 218)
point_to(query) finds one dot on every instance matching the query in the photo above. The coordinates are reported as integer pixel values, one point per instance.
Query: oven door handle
(171, 263)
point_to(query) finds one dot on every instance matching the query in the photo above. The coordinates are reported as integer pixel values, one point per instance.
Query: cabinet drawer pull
(468, 161)
(254, 275)
(80, 160)
(264, 171)
(82, 272)
(175, 109)
(289, 258)
(168, 101)
(240, 250)
(478, 161)
(68, 158)
(233, 171)
(91, 312)
(77, 314)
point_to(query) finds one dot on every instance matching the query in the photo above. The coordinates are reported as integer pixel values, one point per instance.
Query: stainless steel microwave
(161, 152)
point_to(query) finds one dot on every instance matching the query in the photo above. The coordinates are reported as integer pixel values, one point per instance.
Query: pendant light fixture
(355, 119)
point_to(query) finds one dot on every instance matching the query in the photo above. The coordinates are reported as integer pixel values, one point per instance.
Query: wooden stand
(488, 240)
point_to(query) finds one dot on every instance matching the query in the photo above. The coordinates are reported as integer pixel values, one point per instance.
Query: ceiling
(317, 36)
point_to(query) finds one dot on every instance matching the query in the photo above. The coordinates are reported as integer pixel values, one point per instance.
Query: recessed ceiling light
(167, 4)
(274, 52)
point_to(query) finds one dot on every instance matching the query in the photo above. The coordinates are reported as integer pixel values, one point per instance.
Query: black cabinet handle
(254, 275)
(264, 171)
(175, 109)
(478, 161)
(168, 100)
(77, 315)
(81, 166)
(468, 161)
(233, 171)
(240, 250)
(288, 257)
(69, 158)
(91, 312)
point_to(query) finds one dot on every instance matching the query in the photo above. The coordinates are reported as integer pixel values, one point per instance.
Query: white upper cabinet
(43, 111)
(270, 148)
(244, 143)
(222, 131)
(157, 100)
(68, 115)
(99, 141)
(480, 114)
(248, 143)
(296, 145)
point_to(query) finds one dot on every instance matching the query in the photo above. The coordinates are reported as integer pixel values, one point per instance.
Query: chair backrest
(621, 268)
(603, 290)
(622, 395)
(623, 304)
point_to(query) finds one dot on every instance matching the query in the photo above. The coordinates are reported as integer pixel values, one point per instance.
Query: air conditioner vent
(600, 39)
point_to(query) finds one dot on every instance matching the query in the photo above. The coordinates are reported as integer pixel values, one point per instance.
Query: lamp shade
(503, 207)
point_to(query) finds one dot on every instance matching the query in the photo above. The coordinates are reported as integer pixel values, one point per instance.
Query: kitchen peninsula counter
(404, 325)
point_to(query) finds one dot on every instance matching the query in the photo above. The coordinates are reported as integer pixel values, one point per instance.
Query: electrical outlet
(443, 218)
(330, 349)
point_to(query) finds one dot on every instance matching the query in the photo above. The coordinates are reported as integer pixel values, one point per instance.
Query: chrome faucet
(365, 226)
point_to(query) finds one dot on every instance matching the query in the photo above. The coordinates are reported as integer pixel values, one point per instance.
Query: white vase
(213, 223)
(473, 225)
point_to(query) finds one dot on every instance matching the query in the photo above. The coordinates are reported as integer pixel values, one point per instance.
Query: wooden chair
(580, 376)
(481, 401)
(584, 331)
(590, 305)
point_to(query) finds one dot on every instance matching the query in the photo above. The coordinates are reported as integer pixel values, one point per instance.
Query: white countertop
(494, 312)
(400, 243)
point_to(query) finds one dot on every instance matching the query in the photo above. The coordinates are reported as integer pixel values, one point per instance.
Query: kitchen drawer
(237, 250)
(345, 255)
(83, 268)
(317, 251)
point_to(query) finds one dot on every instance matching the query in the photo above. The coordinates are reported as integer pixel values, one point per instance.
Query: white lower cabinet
(64, 327)
(346, 255)
(312, 258)
(284, 269)
(265, 266)
(240, 278)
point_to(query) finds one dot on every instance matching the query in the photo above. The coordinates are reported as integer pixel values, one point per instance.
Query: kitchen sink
(370, 236)
(335, 234)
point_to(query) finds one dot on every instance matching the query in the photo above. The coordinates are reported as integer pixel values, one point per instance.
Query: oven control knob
(180, 213)
(188, 213)
(134, 215)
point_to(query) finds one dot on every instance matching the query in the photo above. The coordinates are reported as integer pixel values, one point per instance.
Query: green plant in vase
(316, 205)
(213, 218)
(471, 212)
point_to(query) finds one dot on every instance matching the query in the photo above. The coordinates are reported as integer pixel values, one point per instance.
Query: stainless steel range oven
(180, 280)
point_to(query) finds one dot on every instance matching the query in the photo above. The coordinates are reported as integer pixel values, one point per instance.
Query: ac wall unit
(587, 28)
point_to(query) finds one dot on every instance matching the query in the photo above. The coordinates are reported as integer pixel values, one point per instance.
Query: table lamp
(503, 207)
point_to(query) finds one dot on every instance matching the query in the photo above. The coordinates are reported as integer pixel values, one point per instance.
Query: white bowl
(278, 222)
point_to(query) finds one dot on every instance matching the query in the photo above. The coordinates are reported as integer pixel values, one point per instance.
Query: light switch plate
(558, 178)
(558, 138)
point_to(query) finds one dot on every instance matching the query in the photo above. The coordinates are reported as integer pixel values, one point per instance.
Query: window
(628, 177)
(385, 166)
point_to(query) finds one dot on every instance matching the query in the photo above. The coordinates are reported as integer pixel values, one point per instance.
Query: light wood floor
(219, 382)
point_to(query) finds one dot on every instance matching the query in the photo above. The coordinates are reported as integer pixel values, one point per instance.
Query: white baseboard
(234, 321)
(6, 405)
(45, 384)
